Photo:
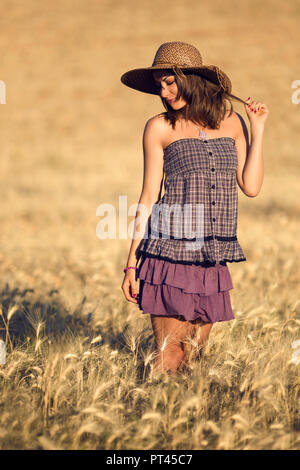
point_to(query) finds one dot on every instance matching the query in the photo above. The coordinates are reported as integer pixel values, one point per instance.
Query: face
(168, 89)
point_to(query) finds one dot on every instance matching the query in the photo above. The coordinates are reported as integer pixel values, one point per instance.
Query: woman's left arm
(250, 170)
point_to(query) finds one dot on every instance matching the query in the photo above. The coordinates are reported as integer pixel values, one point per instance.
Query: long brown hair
(206, 101)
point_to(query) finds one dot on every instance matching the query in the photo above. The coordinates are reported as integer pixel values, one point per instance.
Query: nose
(164, 93)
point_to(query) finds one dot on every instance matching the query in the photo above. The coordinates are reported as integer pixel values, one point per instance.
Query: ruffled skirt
(187, 291)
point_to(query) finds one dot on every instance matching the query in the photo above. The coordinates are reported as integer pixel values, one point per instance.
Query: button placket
(212, 196)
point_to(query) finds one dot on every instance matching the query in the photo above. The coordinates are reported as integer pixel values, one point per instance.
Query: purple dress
(180, 274)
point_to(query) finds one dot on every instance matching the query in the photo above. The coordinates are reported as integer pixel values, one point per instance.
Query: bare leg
(170, 334)
(198, 337)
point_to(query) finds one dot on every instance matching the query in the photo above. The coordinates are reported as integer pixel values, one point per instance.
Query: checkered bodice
(196, 219)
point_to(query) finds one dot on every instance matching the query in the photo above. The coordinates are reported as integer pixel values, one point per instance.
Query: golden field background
(71, 139)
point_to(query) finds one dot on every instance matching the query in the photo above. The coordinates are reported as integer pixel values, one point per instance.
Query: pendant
(203, 135)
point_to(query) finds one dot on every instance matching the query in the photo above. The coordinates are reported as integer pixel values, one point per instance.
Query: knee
(171, 358)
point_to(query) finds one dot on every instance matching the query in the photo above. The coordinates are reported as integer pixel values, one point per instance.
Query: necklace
(202, 134)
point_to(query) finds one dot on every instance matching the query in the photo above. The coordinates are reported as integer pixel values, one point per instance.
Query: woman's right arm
(152, 183)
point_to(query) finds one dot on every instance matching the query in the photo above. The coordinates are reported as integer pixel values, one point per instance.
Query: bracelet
(129, 267)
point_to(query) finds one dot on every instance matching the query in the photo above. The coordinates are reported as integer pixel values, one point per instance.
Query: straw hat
(184, 56)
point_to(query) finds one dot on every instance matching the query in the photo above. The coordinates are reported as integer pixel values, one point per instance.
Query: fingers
(129, 297)
(130, 291)
(255, 106)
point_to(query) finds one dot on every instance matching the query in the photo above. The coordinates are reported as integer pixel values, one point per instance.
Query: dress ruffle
(190, 292)
(190, 279)
(177, 250)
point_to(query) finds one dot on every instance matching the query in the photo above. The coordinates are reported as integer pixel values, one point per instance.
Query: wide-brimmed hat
(182, 55)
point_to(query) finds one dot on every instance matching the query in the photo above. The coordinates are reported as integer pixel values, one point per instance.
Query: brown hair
(206, 102)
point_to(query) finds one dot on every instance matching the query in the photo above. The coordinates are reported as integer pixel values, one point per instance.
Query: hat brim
(141, 79)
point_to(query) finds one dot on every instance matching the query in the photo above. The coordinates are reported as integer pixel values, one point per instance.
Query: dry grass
(79, 366)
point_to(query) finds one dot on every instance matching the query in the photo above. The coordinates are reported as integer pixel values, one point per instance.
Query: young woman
(202, 149)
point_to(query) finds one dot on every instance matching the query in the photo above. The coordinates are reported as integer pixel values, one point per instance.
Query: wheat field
(78, 372)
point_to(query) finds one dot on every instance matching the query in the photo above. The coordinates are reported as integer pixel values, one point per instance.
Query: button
(213, 186)
(212, 169)
(213, 219)
(209, 153)
(213, 203)
(205, 141)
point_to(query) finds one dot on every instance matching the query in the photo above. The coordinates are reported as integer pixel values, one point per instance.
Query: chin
(177, 106)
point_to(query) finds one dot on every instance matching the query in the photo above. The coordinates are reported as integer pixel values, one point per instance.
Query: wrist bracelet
(129, 267)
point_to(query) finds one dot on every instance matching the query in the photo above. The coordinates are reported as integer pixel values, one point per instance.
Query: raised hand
(257, 112)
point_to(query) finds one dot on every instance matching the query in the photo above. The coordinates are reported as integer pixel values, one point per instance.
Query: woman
(202, 149)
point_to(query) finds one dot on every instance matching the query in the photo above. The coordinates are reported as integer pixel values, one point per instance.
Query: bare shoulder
(157, 122)
(153, 159)
(155, 128)
(235, 123)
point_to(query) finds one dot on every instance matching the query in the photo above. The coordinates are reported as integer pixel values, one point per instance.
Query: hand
(129, 286)
(257, 112)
